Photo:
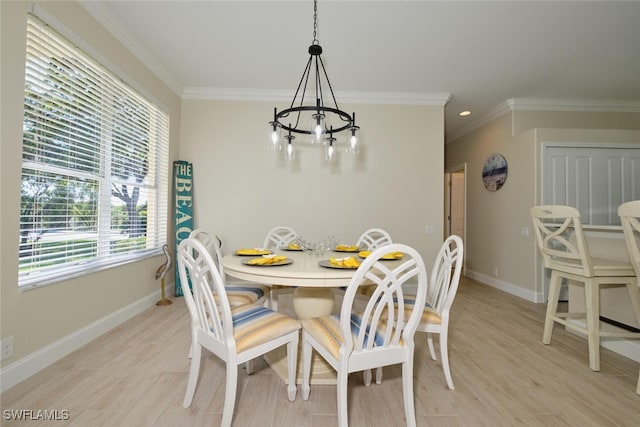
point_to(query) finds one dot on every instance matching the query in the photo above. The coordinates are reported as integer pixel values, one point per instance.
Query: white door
(457, 204)
(595, 180)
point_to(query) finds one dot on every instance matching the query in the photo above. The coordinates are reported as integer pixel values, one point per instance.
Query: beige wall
(494, 220)
(40, 317)
(242, 190)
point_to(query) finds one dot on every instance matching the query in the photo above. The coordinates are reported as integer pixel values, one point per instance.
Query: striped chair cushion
(242, 295)
(326, 330)
(429, 315)
(254, 325)
(366, 290)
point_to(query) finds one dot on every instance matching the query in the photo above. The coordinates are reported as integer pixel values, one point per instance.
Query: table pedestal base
(307, 303)
(312, 302)
(321, 371)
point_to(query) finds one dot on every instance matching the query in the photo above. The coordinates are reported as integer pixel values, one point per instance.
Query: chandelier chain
(315, 22)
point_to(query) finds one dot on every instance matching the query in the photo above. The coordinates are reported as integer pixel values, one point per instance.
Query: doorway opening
(455, 201)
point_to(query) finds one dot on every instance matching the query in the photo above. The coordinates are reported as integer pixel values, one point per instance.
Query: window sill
(44, 278)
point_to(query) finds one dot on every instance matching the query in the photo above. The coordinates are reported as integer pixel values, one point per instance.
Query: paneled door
(596, 180)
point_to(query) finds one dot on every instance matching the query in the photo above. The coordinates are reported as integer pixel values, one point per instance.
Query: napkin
(266, 260)
(390, 255)
(349, 262)
(346, 248)
(294, 246)
(252, 251)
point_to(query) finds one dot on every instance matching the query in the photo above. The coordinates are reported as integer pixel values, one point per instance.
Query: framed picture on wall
(494, 172)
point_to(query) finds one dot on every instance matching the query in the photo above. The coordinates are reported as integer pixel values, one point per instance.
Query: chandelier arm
(319, 84)
(307, 73)
(329, 83)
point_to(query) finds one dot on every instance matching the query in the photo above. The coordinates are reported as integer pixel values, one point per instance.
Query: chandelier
(319, 120)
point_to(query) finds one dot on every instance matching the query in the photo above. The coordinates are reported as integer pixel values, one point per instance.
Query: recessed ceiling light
(464, 113)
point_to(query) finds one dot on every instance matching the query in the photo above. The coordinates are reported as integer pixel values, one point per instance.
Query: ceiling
(562, 53)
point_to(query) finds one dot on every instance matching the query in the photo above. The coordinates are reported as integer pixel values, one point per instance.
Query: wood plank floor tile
(136, 375)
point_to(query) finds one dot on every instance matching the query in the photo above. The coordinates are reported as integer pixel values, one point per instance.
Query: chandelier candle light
(321, 121)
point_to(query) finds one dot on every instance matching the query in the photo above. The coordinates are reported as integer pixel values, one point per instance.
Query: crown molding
(241, 94)
(595, 105)
(114, 26)
(497, 111)
(549, 104)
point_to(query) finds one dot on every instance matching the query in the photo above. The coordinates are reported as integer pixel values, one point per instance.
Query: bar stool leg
(634, 296)
(592, 305)
(552, 306)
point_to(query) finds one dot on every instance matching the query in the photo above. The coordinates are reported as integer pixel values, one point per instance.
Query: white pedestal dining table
(313, 296)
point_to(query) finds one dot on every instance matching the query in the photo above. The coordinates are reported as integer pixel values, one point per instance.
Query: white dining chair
(237, 293)
(368, 241)
(373, 238)
(235, 335)
(443, 286)
(278, 238)
(629, 213)
(378, 335)
(563, 246)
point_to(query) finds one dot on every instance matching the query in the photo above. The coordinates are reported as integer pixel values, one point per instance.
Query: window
(94, 165)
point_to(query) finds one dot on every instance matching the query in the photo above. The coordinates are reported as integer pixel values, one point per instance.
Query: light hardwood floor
(136, 374)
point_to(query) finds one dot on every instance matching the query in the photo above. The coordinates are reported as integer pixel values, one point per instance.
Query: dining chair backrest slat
(279, 237)
(445, 275)
(373, 238)
(213, 246)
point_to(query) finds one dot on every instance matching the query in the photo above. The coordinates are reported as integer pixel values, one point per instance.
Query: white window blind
(94, 165)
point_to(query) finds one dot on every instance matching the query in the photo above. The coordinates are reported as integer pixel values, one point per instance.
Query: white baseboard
(509, 288)
(22, 369)
(629, 348)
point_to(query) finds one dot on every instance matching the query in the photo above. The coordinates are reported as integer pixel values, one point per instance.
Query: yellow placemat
(346, 248)
(390, 255)
(253, 251)
(277, 259)
(350, 262)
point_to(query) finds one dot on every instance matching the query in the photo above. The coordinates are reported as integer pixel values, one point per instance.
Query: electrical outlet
(6, 348)
(495, 272)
